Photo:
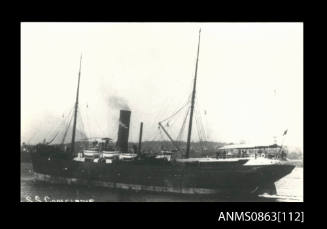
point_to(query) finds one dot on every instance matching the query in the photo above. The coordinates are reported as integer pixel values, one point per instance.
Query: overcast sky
(250, 78)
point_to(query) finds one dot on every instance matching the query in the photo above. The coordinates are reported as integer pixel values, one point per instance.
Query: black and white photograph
(161, 112)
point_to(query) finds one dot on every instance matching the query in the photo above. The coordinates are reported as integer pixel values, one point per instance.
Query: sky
(250, 78)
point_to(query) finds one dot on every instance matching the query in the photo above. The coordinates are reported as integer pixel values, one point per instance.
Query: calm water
(289, 189)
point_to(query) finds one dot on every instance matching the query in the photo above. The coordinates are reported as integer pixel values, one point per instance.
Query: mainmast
(192, 103)
(76, 107)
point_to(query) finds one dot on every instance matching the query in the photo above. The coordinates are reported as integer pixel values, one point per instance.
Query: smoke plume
(116, 102)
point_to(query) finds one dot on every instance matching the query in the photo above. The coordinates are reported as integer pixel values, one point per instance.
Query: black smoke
(119, 103)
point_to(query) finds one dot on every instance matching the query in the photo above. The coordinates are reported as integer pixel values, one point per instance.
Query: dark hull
(162, 176)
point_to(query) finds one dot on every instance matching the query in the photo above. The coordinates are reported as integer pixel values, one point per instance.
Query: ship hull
(186, 178)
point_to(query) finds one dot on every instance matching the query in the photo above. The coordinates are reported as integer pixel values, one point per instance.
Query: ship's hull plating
(190, 178)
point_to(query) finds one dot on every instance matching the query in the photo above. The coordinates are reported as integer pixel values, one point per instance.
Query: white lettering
(221, 216)
(37, 199)
(230, 216)
(239, 216)
(247, 216)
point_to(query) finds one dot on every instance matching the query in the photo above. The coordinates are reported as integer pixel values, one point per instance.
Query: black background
(203, 214)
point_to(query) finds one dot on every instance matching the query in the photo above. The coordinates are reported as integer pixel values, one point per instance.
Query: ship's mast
(76, 107)
(192, 103)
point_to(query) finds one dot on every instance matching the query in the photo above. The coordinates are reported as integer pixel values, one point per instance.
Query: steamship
(103, 163)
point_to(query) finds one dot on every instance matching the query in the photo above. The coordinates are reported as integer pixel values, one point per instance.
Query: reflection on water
(290, 188)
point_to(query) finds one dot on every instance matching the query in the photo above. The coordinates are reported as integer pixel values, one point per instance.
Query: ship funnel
(123, 130)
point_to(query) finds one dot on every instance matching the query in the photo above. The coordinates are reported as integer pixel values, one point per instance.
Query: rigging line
(203, 130)
(64, 137)
(91, 132)
(37, 133)
(66, 130)
(161, 111)
(66, 120)
(199, 134)
(82, 124)
(159, 114)
(175, 112)
(53, 139)
(198, 121)
(51, 131)
(165, 107)
(82, 113)
(197, 128)
(62, 122)
(156, 135)
(88, 121)
(55, 131)
(58, 129)
(179, 137)
(202, 127)
(173, 121)
(201, 121)
(87, 124)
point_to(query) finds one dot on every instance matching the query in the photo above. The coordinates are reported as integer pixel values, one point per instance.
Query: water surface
(289, 189)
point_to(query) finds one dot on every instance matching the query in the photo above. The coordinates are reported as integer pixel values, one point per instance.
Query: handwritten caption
(49, 199)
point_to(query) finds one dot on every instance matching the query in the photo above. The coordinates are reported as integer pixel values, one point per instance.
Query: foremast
(76, 107)
(192, 103)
